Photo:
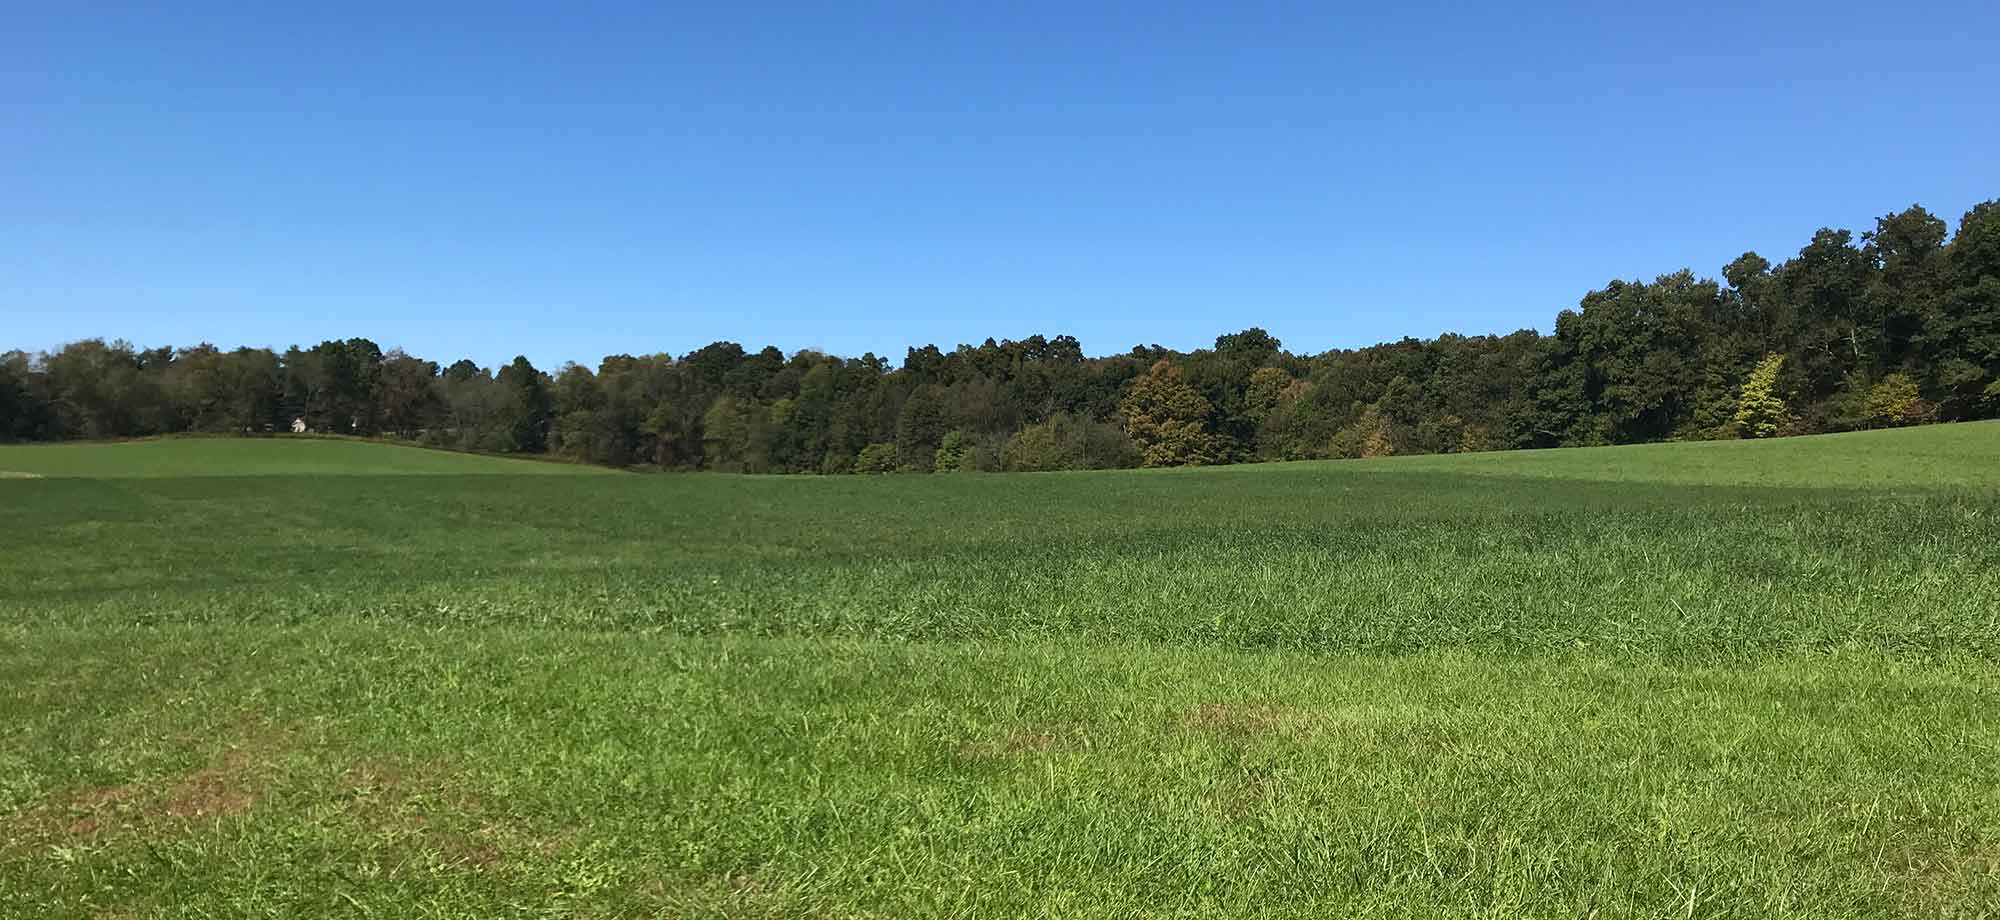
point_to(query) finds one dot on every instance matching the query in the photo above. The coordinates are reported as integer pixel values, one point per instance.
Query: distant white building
(298, 426)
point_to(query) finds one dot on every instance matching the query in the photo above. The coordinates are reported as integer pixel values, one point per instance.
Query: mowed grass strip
(344, 769)
(168, 458)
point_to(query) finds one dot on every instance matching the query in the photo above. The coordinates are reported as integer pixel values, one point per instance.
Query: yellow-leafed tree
(1168, 419)
(1760, 412)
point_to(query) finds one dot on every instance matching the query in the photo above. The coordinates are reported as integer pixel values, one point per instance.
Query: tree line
(1900, 327)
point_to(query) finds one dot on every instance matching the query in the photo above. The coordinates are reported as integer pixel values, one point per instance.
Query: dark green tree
(527, 406)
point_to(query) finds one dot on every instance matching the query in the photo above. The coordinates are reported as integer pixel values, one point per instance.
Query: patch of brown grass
(1014, 743)
(227, 787)
(1246, 718)
(734, 893)
(1237, 799)
(1944, 883)
(421, 809)
(385, 781)
(400, 801)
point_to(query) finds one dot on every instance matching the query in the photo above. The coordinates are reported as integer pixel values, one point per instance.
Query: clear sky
(570, 180)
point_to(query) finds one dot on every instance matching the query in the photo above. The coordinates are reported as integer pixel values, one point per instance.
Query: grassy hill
(1929, 457)
(1734, 679)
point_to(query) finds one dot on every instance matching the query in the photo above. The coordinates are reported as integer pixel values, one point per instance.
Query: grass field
(288, 678)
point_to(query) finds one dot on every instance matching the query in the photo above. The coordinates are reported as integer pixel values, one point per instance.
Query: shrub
(1894, 402)
(954, 449)
(983, 456)
(1068, 442)
(879, 457)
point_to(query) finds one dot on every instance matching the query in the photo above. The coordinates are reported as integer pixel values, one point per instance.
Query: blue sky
(571, 180)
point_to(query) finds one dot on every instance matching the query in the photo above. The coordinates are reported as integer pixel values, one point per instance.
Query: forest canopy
(1899, 327)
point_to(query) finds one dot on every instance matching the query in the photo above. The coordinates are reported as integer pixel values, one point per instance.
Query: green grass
(1933, 457)
(1709, 680)
(173, 458)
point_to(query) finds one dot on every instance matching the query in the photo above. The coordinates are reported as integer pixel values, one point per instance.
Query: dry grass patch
(419, 805)
(742, 894)
(1949, 883)
(228, 786)
(1248, 718)
(1037, 740)
(1238, 798)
